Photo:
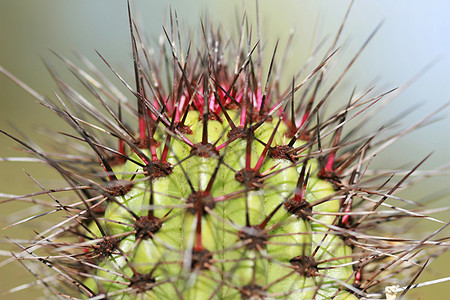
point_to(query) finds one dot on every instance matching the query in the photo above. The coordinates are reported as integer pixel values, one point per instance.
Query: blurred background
(413, 35)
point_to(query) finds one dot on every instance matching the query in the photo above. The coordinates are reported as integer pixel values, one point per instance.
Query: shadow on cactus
(209, 182)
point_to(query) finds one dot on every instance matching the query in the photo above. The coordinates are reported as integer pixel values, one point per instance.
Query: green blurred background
(413, 34)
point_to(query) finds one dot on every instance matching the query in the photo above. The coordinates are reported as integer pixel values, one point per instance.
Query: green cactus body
(248, 237)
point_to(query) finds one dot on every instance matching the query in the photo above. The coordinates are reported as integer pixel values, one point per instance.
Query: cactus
(217, 184)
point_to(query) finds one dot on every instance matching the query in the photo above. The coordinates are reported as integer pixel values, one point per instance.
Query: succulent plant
(207, 181)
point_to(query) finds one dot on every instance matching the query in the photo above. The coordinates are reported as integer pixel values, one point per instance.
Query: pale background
(413, 34)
